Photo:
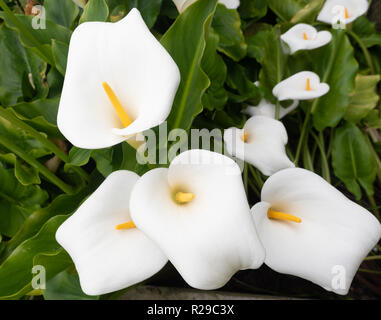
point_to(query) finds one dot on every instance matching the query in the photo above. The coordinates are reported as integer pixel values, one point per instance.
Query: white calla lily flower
(181, 5)
(261, 143)
(305, 37)
(304, 85)
(119, 82)
(108, 251)
(344, 10)
(267, 109)
(311, 230)
(198, 214)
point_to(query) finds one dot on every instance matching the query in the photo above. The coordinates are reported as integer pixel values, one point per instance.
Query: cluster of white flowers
(195, 213)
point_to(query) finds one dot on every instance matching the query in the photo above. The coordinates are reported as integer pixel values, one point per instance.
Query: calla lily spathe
(107, 255)
(333, 235)
(261, 143)
(305, 37)
(181, 5)
(267, 109)
(304, 85)
(344, 10)
(119, 82)
(197, 212)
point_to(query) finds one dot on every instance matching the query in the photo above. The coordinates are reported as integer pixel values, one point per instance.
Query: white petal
(330, 11)
(209, 238)
(294, 37)
(107, 259)
(135, 65)
(265, 145)
(267, 109)
(295, 87)
(334, 232)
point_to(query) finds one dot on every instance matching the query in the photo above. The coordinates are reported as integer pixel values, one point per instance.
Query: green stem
(307, 159)
(6, 114)
(277, 110)
(36, 164)
(256, 177)
(330, 143)
(313, 107)
(246, 178)
(374, 207)
(278, 14)
(254, 188)
(44, 53)
(324, 160)
(364, 49)
(302, 135)
(375, 157)
(373, 258)
(369, 271)
(289, 153)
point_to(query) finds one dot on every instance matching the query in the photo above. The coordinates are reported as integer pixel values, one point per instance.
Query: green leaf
(185, 42)
(238, 80)
(128, 158)
(55, 82)
(118, 13)
(43, 36)
(60, 53)
(352, 160)
(214, 66)
(119, 157)
(309, 13)
(104, 159)
(95, 10)
(63, 12)
(149, 9)
(42, 249)
(336, 65)
(265, 47)
(16, 65)
(40, 124)
(22, 139)
(79, 157)
(12, 58)
(227, 24)
(26, 174)
(17, 202)
(366, 31)
(46, 108)
(363, 99)
(65, 286)
(286, 9)
(37, 74)
(373, 119)
(252, 9)
(62, 205)
(2, 245)
(8, 158)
